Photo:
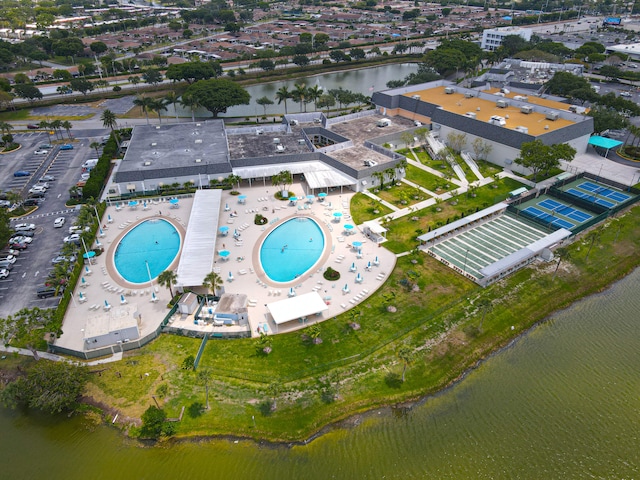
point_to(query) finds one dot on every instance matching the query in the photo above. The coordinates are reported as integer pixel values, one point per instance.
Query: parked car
(46, 292)
(42, 184)
(6, 264)
(41, 152)
(37, 189)
(5, 203)
(23, 233)
(77, 229)
(84, 177)
(58, 222)
(75, 238)
(25, 226)
(63, 258)
(36, 194)
(48, 178)
(18, 246)
(46, 146)
(20, 239)
(21, 173)
(9, 251)
(33, 126)
(66, 146)
(31, 202)
(8, 258)
(626, 94)
(4, 273)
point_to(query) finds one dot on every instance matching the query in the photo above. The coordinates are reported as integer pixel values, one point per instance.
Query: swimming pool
(291, 249)
(154, 243)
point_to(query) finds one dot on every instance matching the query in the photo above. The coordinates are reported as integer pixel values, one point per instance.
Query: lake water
(562, 402)
(364, 80)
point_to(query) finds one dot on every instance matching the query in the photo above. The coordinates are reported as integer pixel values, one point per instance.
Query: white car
(72, 238)
(24, 226)
(626, 94)
(4, 273)
(77, 229)
(84, 177)
(58, 222)
(42, 184)
(41, 152)
(37, 189)
(21, 239)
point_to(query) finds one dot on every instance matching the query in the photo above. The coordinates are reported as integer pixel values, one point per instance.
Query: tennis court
(604, 191)
(548, 218)
(565, 210)
(590, 198)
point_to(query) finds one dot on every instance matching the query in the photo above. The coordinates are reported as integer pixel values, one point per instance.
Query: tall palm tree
(314, 94)
(66, 124)
(158, 105)
(96, 147)
(562, 253)
(405, 355)
(144, 103)
(212, 281)
(299, 94)
(167, 279)
(110, 121)
(205, 376)
(282, 95)
(134, 80)
(171, 99)
(192, 103)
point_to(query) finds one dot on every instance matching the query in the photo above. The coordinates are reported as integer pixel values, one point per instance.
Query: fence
(351, 116)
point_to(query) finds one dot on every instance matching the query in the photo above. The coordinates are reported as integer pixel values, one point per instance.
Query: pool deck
(248, 278)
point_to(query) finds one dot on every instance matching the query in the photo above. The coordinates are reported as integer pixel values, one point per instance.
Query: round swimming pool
(154, 243)
(291, 249)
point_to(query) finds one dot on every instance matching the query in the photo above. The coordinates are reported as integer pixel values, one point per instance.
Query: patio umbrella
(376, 261)
(322, 194)
(81, 296)
(358, 278)
(106, 304)
(337, 214)
(122, 300)
(133, 203)
(174, 201)
(348, 226)
(311, 197)
(242, 198)
(224, 229)
(356, 244)
(224, 253)
(89, 254)
(345, 289)
(293, 199)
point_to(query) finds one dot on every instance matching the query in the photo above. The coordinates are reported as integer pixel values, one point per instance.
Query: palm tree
(299, 94)
(167, 279)
(66, 124)
(96, 147)
(5, 128)
(192, 103)
(171, 99)
(157, 105)
(204, 377)
(563, 254)
(593, 236)
(212, 281)
(282, 95)
(405, 355)
(314, 94)
(110, 121)
(56, 125)
(134, 80)
(145, 105)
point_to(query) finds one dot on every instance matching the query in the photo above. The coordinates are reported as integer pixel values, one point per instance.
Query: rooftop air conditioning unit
(526, 109)
(198, 160)
(199, 140)
(154, 144)
(276, 140)
(522, 129)
(301, 141)
(470, 114)
(498, 120)
(553, 116)
(198, 124)
(502, 104)
(147, 164)
(157, 127)
(449, 90)
(522, 98)
(259, 132)
(415, 97)
(468, 95)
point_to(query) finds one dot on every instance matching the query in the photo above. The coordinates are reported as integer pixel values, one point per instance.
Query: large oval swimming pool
(291, 249)
(153, 244)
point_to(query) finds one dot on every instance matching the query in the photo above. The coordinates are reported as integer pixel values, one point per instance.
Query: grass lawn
(364, 208)
(401, 194)
(402, 232)
(425, 159)
(427, 180)
(487, 169)
(437, 317)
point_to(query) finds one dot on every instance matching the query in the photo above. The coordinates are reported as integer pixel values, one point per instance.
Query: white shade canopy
(293, 308)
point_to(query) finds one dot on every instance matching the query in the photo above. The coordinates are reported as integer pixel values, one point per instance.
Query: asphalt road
(33, 264)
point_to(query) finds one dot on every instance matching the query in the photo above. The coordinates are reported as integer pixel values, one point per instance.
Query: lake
(561, 402)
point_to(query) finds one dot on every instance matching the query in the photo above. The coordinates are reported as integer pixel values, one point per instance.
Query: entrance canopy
(284, 311)
(317, 174)
(196, 260)
(604, 142)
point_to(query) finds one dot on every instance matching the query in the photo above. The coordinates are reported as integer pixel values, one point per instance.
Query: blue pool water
(153, 242)
(291, 249)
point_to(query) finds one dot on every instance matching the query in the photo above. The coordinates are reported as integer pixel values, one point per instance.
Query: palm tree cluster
(304, 95)
(152, 104)
(57, 126)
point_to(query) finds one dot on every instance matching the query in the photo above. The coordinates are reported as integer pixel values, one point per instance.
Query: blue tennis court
(547, 217)
(604, 191)
(565, 210)
(590, 198)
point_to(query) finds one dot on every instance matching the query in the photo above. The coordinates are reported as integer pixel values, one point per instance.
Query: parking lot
(34, 263)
